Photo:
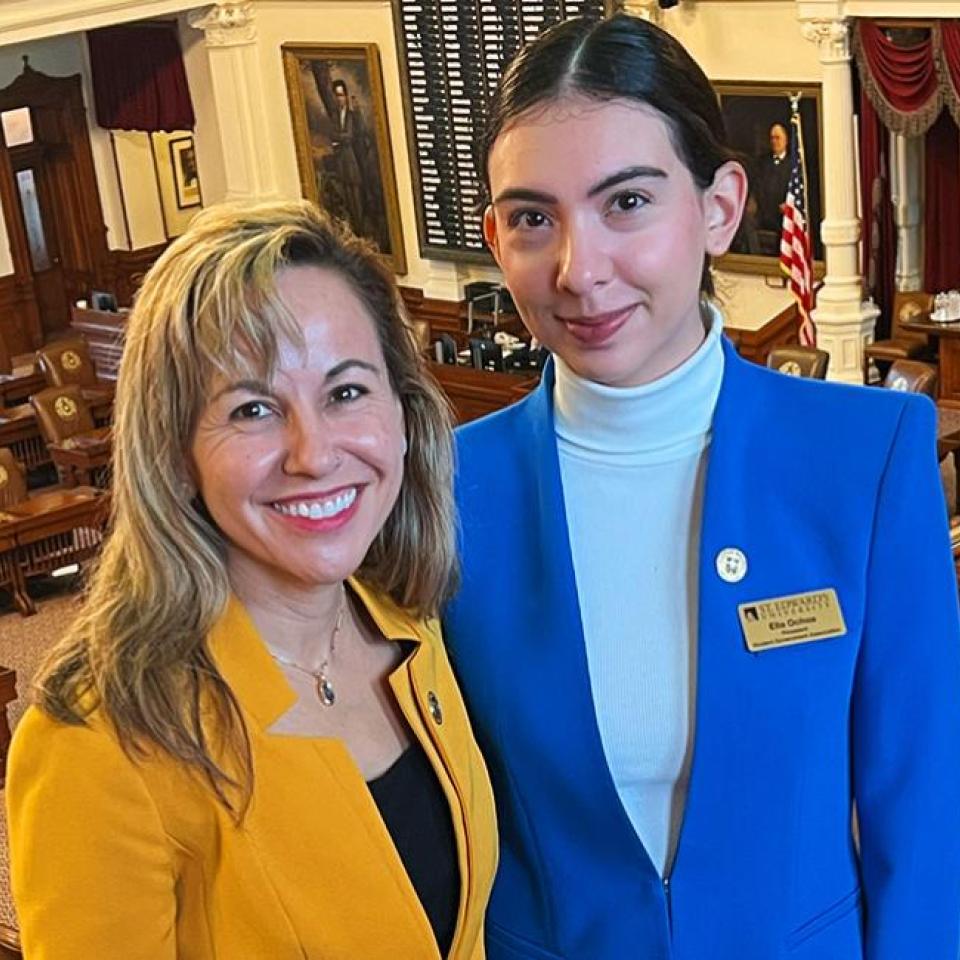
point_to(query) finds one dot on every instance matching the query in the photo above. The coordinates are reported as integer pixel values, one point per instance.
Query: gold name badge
(784, 621)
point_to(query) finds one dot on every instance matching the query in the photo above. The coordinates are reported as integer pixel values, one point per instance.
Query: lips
(596, 329)
(319, 512)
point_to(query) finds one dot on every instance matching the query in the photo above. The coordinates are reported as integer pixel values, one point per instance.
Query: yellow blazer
(117, 858)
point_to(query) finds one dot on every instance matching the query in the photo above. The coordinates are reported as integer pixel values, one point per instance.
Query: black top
(415, 811)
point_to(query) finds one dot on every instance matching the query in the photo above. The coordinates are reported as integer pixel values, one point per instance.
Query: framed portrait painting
(758, 126)
(186, 182)
(342, 140)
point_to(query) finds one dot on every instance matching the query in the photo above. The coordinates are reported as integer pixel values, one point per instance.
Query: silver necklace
(325, 692)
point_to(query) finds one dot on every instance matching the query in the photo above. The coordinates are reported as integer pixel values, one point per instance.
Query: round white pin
(731, 564)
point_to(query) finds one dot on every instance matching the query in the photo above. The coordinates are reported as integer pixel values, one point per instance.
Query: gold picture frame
(186, 180)
(342, 139)
(750, 110)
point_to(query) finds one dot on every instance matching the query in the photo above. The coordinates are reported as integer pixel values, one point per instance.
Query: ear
(490, 232)
(723, 206)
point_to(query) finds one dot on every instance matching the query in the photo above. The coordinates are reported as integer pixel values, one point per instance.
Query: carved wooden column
(230, 31)
(907, 154)
(844, 321)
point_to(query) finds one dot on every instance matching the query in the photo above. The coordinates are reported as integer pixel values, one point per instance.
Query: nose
(583, 263)
(312, 448)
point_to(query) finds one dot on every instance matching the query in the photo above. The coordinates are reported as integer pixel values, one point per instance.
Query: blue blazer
(819, 485)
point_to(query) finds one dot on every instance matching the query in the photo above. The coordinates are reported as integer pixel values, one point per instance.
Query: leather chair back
(13, 480)
(909, 305)
(62, 413)
(67, 361)
(912, 376)
(798, 361)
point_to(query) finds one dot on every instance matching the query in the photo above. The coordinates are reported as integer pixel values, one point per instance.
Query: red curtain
(948, 65)
(901, 82)
(941, 223)
(879, 231)
(139, 82)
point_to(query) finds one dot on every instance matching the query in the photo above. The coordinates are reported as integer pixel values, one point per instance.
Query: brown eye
(527, 219)
(348, 392)
(251, 410)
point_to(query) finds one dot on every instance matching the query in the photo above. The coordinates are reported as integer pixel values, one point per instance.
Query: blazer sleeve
(91, 868)
(906, 710)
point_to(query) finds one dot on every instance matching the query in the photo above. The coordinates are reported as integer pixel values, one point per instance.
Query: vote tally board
(452, 55)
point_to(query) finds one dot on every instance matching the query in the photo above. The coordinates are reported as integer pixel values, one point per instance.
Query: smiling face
(300, 473)
(601, 232)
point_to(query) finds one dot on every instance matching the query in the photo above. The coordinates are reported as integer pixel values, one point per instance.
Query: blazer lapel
(554, 648)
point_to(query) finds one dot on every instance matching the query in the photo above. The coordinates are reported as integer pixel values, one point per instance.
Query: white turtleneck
(632, 464)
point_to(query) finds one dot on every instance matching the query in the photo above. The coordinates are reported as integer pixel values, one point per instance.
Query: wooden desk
(475, 393)
(48, 531)
(104, 331)
(19, 386)
(949, 336)
(20, 432)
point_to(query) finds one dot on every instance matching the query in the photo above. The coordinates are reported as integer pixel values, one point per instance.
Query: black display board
(452, 53)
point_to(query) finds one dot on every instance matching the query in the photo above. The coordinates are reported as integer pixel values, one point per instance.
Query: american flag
(796, 259)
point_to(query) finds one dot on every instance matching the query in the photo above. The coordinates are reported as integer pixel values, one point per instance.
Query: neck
(294, 620)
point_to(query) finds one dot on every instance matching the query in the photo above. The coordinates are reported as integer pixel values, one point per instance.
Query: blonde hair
(137, 650)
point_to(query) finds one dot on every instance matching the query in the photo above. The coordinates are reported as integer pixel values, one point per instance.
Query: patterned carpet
(23, 643)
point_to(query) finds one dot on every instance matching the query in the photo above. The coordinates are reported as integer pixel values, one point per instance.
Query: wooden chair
(912, 376)
(902, 344)
(80, 450)
(42, 533)
(798, 361)
(68, 362)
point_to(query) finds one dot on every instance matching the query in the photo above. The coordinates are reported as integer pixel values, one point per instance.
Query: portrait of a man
(336, 98)
(758, 124)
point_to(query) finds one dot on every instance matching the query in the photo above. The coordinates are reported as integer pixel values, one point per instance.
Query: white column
(907, 154)
(844, 321)
(231, 36)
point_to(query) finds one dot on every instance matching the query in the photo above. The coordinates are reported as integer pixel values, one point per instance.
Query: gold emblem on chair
(65, 407)
(791, 368)
(70, 360)
(4, 476)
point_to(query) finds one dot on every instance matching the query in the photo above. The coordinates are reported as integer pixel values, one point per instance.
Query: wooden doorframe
(83, 241)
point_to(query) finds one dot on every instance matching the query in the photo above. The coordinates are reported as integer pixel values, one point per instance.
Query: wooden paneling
(442, 315)
(19, 317)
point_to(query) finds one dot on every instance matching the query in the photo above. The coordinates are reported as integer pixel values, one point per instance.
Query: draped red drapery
(139, 82)
(879, 231)
(941, 214)
(906, 88)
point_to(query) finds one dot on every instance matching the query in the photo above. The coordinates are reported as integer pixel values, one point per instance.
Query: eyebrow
(621, 176)
(261, 386)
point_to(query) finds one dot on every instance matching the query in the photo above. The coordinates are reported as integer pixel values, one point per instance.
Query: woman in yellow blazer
(251, 745)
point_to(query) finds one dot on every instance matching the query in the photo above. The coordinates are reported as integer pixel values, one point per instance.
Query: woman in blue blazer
(708, 624)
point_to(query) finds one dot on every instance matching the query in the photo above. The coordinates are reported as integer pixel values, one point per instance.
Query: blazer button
(434, 705)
